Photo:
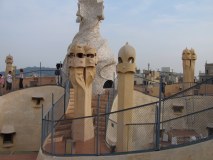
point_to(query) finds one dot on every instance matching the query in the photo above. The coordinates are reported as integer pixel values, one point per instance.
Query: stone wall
(200, 151)
(17, 109)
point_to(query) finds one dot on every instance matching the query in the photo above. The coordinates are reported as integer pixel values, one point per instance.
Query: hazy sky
(35, 31)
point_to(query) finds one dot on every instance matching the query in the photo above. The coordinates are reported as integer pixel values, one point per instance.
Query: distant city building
(138, 78)
(208, 72)
(150, 77)
(165, 69)
(170, 77)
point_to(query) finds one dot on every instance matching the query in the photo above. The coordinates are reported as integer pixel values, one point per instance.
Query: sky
(35, 31)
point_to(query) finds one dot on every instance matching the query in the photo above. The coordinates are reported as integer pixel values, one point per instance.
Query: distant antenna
(148, 66)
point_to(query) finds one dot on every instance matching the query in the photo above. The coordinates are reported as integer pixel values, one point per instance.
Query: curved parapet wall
(197, 151)
(139, 99)
(21, 112)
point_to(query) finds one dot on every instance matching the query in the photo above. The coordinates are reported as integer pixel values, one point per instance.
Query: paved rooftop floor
(19, 156)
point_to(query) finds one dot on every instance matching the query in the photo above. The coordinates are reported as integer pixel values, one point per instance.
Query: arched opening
(120, 60)
(108, 84)
(131, 60)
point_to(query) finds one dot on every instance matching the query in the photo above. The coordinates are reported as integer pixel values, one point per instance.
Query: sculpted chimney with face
(126, 59)
(9, 62)
(188, 58)
(126, 70)
(82, 68)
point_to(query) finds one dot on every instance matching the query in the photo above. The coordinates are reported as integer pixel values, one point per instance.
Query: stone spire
(188, 57)
(9, 64)
(125, 70)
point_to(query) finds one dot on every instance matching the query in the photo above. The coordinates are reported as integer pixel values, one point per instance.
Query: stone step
(63, 127)
(101, 110)
(62, 133)
(55, 139)
(71, 103)
(69, 115)
(101, 133)
(101, 128)
(102, 104)
(101, 124)
(65, 122)
(70, 111)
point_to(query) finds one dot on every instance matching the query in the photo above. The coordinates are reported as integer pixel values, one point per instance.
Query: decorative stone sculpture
(9, 64)
(188, 58)
(89, 15)
(193, 59)
(125, 70)
(82, 63)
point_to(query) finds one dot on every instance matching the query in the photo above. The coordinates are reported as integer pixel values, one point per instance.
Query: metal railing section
(181, 119)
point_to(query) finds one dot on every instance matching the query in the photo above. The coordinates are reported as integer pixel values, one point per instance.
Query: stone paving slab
(28, 156)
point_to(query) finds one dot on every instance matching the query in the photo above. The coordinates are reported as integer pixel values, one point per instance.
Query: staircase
(63, 128)
(62, 131)
(102, 110)
(70, 109)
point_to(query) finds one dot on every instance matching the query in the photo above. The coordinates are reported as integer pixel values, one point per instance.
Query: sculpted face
(186, 55)
(194, 56)
(91, 58)
(82, 62)
(126, 59)
(76, 56)
(9, 59)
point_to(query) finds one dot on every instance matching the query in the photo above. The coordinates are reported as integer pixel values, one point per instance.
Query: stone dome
(126, 52)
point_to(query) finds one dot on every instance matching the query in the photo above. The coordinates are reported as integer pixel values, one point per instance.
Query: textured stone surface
(189, 57)
(17, 109)
(89, 15)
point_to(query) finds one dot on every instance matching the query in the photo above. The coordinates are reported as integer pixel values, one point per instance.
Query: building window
(210, 129)
(7, 133)
(207, 72)
(7, 138)
(177, 109)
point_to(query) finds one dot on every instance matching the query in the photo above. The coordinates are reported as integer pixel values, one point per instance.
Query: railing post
(42, 125)
(158, 109)
(65, 97)
(113, 92)
(40, 75)
(107, 110)
(48, 118)
(52, 126)
(97, 131)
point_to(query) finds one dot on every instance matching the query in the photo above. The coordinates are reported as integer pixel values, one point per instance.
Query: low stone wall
(199, 151)
(34, 81)
(30, 82)
(20, 110)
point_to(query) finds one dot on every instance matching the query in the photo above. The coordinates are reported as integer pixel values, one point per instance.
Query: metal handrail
(155, 123)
